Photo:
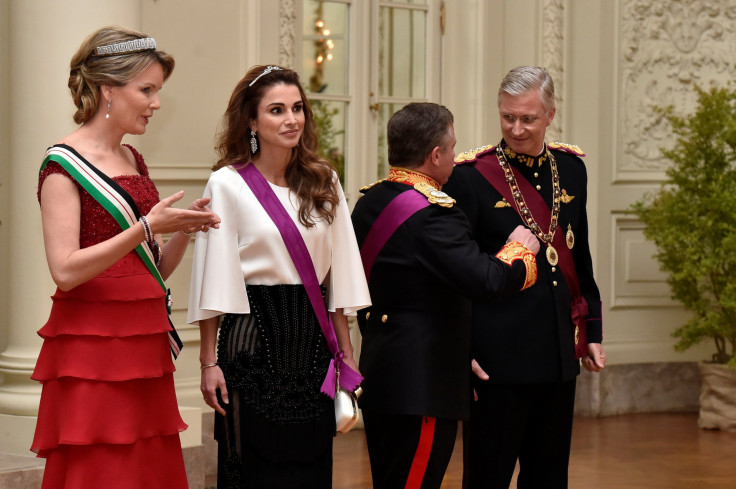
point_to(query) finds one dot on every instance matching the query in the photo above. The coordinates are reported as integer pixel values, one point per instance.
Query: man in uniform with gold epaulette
(423, 270)
(527, 348)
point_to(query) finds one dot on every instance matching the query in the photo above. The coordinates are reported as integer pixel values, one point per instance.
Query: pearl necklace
(526, 214)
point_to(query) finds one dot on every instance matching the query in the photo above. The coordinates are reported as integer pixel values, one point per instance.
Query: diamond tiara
(127, 46)
(268, 70)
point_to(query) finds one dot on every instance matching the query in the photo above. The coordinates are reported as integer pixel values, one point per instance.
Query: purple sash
(349, 378)
(401, 208)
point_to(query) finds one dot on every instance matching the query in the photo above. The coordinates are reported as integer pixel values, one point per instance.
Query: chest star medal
(569, 237)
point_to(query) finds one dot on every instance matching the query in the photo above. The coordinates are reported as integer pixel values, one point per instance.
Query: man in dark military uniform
(528, 346)
(423, 269)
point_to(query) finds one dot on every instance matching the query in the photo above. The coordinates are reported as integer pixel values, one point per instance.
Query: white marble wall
(639, 388)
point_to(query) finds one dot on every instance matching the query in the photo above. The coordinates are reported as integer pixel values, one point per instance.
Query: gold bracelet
(208, 365)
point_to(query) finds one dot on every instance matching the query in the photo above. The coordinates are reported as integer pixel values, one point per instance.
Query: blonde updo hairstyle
(88, 71)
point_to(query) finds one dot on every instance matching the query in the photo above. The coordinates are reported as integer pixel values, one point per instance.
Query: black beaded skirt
(279, 427)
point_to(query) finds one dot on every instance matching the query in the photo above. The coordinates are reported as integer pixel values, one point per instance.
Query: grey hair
(525, 78)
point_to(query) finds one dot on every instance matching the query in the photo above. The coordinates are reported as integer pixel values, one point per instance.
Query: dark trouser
(409, 452)
(530, 422)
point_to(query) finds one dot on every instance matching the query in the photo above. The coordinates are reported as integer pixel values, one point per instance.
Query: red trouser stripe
(421, 456)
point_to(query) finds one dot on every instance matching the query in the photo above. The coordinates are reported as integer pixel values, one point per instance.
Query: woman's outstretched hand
(200, 205)
(164, 218)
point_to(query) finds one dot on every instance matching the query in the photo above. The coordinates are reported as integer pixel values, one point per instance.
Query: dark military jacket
(529, 336)
(415, 354)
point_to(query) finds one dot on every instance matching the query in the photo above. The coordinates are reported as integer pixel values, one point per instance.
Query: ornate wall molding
(666, 46)
(553, 58)
(636, 280)
(287, 33)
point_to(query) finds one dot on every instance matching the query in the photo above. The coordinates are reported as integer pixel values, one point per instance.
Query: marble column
(43, 37)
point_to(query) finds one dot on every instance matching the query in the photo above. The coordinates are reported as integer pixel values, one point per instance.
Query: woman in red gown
(108, 416)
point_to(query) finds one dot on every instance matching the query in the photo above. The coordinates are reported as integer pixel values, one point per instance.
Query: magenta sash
(578, 305)
(401, 208)
(349, 378)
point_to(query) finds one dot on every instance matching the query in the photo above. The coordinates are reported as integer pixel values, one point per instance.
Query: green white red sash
(121, 206)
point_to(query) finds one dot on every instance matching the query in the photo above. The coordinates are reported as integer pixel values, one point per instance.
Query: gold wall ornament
(569, 237)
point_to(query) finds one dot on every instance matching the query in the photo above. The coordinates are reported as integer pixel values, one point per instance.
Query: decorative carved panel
(666, 46)
(287, 32)
(553, 58)
(638, 282)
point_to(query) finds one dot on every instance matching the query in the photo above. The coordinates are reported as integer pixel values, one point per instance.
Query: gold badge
(569, 237)
(502, 203)
(551, 255)
(566, 199)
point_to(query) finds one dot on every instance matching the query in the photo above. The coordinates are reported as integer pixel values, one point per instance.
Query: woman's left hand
(351, 362)
(213, 381)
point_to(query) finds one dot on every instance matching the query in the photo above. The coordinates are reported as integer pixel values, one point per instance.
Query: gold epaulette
(473, 153)
(514, 251)
(568, 148)
(370, 186)
(433, 195)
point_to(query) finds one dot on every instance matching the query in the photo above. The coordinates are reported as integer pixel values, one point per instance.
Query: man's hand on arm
(524, 236)
(480, 373)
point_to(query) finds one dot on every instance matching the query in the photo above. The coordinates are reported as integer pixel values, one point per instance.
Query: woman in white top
(263, 376)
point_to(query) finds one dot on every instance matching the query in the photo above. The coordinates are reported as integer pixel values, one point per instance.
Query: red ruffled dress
(108, 416)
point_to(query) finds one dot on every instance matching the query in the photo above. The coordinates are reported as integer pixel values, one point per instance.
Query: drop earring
(107, 116)
(253, 142)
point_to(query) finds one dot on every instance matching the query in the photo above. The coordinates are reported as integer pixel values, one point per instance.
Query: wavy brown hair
(310, 177)
(88, 71)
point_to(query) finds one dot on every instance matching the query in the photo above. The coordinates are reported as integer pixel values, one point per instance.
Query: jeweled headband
(145, 44)
(268, 70)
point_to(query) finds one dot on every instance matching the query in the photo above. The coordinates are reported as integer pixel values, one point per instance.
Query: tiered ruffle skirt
(108, 416)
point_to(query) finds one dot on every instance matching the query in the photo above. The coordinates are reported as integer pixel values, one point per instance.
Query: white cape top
(248, 249)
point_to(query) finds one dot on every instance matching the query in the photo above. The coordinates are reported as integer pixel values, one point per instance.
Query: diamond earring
(253, 142)
(107, 116)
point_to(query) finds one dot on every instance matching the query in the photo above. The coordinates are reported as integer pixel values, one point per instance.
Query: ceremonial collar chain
(526, 213)
(410, 177)
(526, 159)
(134, 45)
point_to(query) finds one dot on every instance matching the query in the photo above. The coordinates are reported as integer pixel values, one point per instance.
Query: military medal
(569, 237)
(526, 214)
